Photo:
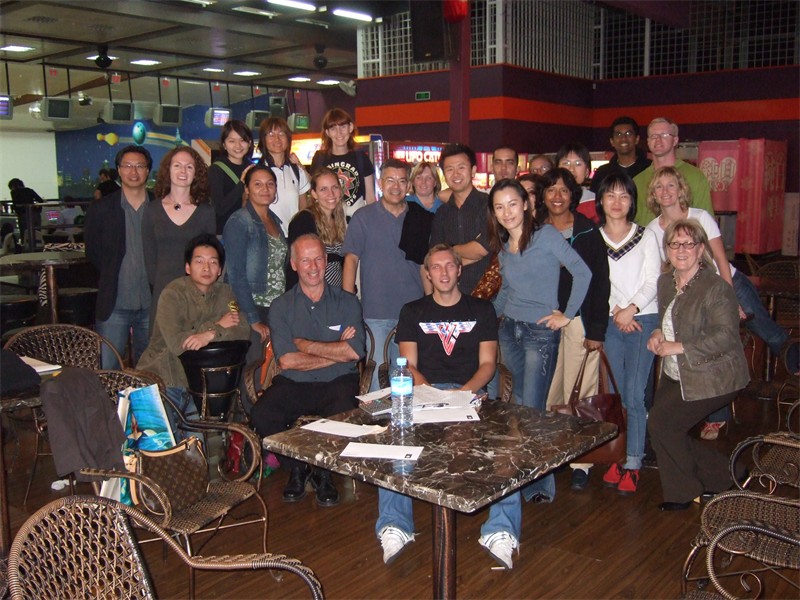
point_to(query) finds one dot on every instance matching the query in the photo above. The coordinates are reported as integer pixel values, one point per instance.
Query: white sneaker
(393, 540)
(500, 545)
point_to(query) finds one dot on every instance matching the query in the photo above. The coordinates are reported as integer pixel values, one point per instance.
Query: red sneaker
(630, 479)
(613, 476)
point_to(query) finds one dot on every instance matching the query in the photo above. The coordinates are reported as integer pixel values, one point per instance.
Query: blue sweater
(530, 280)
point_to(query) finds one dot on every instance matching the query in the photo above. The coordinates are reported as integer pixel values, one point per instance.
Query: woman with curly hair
(325, 218)
(182, 213)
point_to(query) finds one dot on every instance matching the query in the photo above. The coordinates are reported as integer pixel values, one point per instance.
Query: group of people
(541, 268)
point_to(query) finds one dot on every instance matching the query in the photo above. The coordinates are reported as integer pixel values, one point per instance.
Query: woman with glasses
(575, 158)
(225, 175)
(181, 212)
(275, 143)
(703, 366)
(539, 164)
(338, 152)
(670, 198)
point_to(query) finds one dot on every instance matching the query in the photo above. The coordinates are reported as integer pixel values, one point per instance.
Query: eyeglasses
(540, 170)
(659, 136)
(687, 245)
(621, 134)
(278, 133)
(129, 166)
(571, 163)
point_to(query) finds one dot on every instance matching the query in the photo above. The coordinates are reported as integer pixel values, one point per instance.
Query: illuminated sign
(416, 153)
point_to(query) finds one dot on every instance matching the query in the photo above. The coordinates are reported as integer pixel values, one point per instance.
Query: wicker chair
(84, 547)
(757, 533)
(60, 344)
(780, 269)
(775, 459)
(182, 514)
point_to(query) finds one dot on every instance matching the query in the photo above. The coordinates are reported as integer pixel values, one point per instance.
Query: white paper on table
(445, 415)
(39, 366)
(343, 429)
(361, 450)
(426, 396)
(375, 395)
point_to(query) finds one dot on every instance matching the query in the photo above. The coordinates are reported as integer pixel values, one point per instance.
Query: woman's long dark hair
(498, 235)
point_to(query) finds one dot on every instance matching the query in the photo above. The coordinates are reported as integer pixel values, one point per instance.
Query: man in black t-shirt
(450, 341)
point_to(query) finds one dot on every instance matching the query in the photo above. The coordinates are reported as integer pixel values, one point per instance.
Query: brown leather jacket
(706, 322)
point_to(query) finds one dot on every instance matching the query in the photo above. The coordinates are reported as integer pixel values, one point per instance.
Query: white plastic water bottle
(402, 394)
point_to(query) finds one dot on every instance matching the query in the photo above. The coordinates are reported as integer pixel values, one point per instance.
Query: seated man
(192, 312)
(318, 338)
(450, 341)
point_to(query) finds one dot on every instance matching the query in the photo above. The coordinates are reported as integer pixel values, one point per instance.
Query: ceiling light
(94, 57)
(328, 82)
(202, 3)
(257, 11)
(213, 70)
(145, 62)
(316, 22)
(299, 79)
(12, 48)
(246, 73)
(294, 4)
(350, 14)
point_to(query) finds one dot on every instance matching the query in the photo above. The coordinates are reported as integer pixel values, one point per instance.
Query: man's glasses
(677, 245)
(129, 166)
(626, 134)
(659, 136)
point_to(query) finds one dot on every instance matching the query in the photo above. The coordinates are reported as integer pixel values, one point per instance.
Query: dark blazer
(104, 234)
(587, 241)
(706, 321)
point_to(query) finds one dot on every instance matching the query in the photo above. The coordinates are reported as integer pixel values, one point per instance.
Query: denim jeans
(630, 362)
(381, 328)
(395, 509)
(759, 323)
(530, 352)
(116, 330)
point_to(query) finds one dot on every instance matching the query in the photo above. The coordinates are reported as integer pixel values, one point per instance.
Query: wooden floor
(590, 544)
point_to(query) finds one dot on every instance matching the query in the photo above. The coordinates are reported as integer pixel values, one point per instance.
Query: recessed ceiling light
(328, 82)
(350, 14)
(145, 62)
(257, 11)
(294, 4)
(299, 79)
(246, 73)
(202, 3)
(316, 22)
(12, 48)
(95, 56)
(213, 70)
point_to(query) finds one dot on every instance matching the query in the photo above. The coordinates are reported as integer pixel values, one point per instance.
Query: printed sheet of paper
(445, 415)
(343, 429)
(360, 450)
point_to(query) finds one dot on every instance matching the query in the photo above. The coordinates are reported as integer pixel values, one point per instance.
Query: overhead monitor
(118, 112)
(299, 122)
(217, 117)
(168, 115)
(277, 106)
(56, 109)
(6, 107)
(255, 117)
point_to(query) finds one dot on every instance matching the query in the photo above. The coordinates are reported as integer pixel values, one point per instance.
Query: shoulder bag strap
(576, 389)
(605, 371)
(227, 170)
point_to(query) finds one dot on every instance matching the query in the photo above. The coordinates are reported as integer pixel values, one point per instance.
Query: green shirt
(695, 179)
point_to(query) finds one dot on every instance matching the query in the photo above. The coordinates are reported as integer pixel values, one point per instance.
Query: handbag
(603, 406)
(489, 285)
(181, 472)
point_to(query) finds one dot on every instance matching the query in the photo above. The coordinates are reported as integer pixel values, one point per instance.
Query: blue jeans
(630, 362)
(530, 352)
(759, 323)
(395, 509)
(116, 330)
(381, 328)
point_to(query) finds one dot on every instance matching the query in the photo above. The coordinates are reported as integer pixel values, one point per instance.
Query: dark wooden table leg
(444, 552)
(52, 291)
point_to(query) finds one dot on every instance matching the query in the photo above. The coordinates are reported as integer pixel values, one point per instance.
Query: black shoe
(670, 506)
(327, 495)
(295, 489)
(580, 479)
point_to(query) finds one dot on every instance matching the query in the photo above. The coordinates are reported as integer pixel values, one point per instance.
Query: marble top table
(463, 467)
(49, 261)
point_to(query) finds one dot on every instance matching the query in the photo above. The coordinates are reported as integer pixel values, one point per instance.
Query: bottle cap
(401, 361)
